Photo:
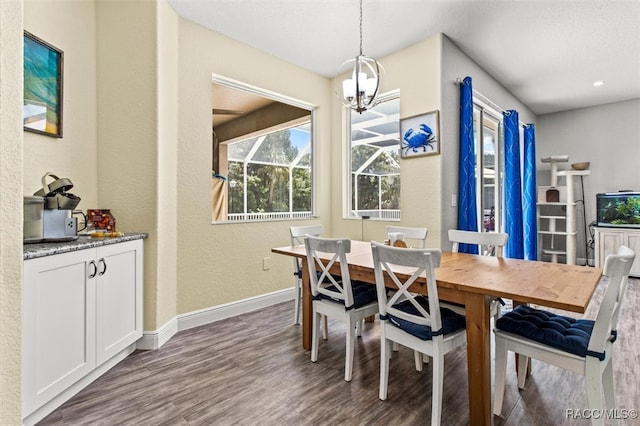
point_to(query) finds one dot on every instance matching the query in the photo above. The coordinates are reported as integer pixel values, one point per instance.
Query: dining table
(473, 281)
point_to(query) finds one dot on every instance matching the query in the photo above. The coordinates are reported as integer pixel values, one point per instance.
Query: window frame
(347, 149)
(277, 97)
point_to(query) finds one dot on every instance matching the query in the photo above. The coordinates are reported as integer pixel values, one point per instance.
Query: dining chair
(297, 238)
(493, 241)
(580, 345)
(413, 320)
(335, 297)
(490, 243)
(417, 234)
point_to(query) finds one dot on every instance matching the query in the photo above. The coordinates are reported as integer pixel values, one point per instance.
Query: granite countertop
(35, 250)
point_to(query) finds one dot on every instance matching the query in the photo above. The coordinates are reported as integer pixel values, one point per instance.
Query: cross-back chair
(419, 235)
(297, 238)
(490, 243)
(335, 297)
(412, 320)
(583, 346)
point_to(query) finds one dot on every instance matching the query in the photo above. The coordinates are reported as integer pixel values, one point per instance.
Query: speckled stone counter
(32, 251)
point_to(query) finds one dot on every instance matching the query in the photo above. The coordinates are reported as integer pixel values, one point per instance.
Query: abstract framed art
(43, 66)
(420, 135)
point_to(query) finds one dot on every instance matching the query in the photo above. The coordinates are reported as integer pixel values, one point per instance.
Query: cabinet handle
(95, 269)
(104, 266)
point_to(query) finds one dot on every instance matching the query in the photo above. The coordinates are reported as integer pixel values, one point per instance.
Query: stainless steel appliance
(33, 228)
(58, 223)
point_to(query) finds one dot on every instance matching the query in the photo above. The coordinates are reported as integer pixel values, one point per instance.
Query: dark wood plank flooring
(252, 370)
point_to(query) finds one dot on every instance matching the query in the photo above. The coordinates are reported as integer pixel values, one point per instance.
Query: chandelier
(359, 92)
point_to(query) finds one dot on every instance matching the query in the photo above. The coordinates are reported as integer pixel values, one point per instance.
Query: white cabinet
(118, 297)
(80, 309)
(59, 342)
(608, 240)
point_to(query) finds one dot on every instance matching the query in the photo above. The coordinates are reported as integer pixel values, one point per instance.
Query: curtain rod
(482, 97)
(486, 100)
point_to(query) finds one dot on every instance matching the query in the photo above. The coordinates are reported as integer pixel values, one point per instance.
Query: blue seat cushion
(567, 334)
(363, 294)
(451, 321)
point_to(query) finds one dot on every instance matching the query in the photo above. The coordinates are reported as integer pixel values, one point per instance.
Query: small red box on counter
(101, 219)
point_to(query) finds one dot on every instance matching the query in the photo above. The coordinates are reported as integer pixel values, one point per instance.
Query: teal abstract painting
(42, 110)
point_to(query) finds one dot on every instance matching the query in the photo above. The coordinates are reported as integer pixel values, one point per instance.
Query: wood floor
(252, 370)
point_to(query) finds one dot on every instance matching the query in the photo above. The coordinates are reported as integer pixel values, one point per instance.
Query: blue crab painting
(422, 138)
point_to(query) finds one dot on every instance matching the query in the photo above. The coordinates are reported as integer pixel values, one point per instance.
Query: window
(374, 151)
(489, 168)
(262, 154)
(489, 148)
(270, 175)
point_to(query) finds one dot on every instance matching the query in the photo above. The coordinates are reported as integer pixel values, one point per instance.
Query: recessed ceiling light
(598, 83)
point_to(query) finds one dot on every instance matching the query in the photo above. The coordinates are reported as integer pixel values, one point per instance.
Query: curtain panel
(467, 209)
(512, 186)
(529, 195)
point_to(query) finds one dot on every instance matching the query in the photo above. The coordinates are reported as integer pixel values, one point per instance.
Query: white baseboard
(155, 339)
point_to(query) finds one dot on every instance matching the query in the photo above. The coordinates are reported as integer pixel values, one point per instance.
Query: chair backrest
(403, 266)
(297, 238)
(616, 269)
(321, 280)
(495, 240)
(418, 234)
(299, 232)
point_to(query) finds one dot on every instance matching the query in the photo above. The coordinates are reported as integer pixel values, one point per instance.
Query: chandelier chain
(360, 27)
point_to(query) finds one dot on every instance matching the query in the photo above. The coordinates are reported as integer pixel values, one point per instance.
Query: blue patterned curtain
(529, 195)
(467, 210)
(512, 186)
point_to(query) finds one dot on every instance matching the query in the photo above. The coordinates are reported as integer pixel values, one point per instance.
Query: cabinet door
(119, 297)
(633, 242)
(58, 325)
(609, 242)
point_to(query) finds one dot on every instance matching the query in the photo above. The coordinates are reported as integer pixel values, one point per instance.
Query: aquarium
(620, 209)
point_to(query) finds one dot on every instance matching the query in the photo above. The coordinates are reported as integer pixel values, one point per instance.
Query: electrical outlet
(454, 200)
(266, 263)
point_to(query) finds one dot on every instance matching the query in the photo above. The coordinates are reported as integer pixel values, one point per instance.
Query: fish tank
(618, 209)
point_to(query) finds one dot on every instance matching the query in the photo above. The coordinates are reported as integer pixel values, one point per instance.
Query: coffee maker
(57, 217)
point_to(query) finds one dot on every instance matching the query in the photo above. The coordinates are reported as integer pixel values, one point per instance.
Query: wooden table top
(554, 285)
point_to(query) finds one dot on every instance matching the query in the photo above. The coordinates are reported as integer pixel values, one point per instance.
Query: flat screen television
(618, 209)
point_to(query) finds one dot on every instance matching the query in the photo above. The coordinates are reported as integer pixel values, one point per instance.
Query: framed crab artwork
(420, 135)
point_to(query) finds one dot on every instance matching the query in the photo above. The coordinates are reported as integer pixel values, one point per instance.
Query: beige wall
(167, 209)
(223, 262)
(128, 128)
(419, 86)
(10, 212)
(69, 26)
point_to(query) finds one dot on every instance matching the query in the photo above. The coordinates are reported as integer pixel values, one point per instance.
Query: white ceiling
(548, 53)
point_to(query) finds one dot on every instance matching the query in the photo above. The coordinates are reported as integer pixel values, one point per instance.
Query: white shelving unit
(557, 219)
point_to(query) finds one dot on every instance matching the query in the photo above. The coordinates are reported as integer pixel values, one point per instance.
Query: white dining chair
(489, 243)
(419, 235)
(413, 320)
(579, 345)
(297, 234)
(337, 297)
